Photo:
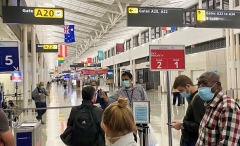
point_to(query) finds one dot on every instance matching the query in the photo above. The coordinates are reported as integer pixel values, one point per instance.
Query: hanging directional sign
(167, 57)
(217, 18)
(47, 48)
(9, 56)
(33, 15)
(154, 17)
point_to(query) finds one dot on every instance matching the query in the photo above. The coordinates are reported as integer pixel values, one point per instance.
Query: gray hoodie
(127, 140)
(42, 97)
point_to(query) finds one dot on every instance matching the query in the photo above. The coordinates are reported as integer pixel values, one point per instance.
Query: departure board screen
(217, 18)
(154, 17)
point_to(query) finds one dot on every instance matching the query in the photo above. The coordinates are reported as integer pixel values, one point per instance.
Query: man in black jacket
(194, 113)
(87, 95)
(99, 99)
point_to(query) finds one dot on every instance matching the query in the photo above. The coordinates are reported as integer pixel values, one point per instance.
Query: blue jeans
(41, 112)
(187, 143)
(176, 96)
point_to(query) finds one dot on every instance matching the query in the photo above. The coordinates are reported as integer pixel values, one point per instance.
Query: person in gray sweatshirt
(39, 96)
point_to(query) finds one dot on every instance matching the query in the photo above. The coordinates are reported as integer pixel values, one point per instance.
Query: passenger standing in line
(176, 96)
(194, 114)
(221, 122)
(118, 123)
(39, 96)
(98, 98)
(6, 137)
(84, 129)
(130, 91)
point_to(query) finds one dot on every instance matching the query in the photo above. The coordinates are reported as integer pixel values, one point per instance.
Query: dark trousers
(176, 96)
(187, 143)
(41, 112)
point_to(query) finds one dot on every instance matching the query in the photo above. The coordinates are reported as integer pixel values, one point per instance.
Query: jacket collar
(215, 101)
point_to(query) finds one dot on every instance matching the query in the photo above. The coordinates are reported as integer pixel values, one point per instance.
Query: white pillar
(238, 66)
(200, 4)
(25, 68)
(227, 58)
(40, 69)
(34, 58)
(134, 71)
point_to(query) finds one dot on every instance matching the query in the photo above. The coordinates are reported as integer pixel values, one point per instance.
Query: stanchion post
(168, 76)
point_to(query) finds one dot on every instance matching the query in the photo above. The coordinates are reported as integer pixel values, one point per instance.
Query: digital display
(217, 18)
(154, 17)
(47, 48)
(33, 15)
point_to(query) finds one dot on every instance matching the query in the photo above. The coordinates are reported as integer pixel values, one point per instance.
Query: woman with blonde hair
(118, 123)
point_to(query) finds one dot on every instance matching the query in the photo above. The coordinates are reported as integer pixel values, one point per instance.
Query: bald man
(39, 96)
(221, 122)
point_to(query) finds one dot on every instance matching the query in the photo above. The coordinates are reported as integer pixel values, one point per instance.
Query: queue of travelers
(212, 117)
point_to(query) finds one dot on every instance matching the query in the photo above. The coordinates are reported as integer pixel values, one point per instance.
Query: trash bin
(28, 134)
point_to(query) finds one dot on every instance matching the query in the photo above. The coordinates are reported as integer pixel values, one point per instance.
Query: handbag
(66, 137)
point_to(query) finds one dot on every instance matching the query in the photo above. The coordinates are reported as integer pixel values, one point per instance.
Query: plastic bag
(151, 136)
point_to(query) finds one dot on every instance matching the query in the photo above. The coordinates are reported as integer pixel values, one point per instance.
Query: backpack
(85, 129)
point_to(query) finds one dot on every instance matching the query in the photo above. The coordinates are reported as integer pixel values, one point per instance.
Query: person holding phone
(194, 114)
(102, 100)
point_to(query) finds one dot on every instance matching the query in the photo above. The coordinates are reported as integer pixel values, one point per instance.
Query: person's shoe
(37, 118)
(42, 122)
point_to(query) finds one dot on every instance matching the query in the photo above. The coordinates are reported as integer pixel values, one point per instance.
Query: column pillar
(40, 68)
(25, 68)
(134, 71)
(116, 75)
(238, 66)
(200, 4)
(34, 58)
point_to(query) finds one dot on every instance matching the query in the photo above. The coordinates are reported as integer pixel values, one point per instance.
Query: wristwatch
(182, 125)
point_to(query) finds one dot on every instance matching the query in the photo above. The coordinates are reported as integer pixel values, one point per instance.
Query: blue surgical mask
(126, 84)
(42, 87)
(205, 93)
(185, 94)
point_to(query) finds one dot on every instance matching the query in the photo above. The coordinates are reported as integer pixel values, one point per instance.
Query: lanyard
(130, 99)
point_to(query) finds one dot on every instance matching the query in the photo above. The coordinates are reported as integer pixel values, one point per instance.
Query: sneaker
(42, 122)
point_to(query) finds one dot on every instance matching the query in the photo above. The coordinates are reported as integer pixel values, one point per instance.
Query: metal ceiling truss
(89, 42)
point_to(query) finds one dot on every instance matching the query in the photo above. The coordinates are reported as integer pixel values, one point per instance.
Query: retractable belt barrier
(23, 109)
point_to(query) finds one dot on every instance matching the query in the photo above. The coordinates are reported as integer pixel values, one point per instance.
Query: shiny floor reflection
(56, 119)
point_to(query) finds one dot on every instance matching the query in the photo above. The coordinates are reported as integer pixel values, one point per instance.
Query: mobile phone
(169, 124)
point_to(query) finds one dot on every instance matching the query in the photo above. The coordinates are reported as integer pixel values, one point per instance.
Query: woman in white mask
(118, 123)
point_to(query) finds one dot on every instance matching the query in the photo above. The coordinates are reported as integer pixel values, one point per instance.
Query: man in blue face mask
(195, 111)
(221, 122)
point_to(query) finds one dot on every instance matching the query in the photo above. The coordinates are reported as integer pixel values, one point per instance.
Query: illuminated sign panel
(154, 17)
(33, 15)
(47, 48)
(217, 18)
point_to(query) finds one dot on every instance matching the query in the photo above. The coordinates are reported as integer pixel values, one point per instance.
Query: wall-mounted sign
(33, 15)
(9, 56)
(154, 17)
(217, 18)
(16, 76)
(47, 48)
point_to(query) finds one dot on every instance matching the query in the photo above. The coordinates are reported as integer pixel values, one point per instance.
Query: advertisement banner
(100, 55)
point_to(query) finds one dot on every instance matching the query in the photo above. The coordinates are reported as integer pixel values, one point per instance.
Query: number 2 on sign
(159, 64)
(176, 63)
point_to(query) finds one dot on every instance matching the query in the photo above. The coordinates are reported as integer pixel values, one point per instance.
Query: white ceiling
(99, 24)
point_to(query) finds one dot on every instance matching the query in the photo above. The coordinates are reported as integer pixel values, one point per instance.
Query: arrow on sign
(199, 12)
(16, 68)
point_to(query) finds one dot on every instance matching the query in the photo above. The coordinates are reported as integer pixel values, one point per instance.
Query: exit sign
(167, 57)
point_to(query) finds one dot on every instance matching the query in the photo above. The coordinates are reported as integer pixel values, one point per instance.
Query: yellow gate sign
(48, 13)
(201, 15)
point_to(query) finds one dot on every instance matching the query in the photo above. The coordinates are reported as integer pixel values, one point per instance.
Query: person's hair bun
(122, 102)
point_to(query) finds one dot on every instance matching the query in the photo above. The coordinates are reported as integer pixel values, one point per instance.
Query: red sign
(119, 47)
(94, 71)
(89, 60)
(167, 57)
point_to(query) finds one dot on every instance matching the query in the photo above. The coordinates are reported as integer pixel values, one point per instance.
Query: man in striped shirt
(221, 122)
(130, 91)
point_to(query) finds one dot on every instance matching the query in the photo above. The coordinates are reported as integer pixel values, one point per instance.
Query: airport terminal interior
(65, 44)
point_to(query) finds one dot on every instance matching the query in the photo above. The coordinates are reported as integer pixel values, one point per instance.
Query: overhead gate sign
(167, 57)
(9, 56)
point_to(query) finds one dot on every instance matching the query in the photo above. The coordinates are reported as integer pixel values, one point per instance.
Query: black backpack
(85, 129)
(33, 98)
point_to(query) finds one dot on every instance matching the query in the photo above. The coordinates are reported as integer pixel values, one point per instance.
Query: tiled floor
(56, 118)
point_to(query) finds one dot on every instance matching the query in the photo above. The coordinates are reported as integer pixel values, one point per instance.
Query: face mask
(42, 87)
(126, 84)
(95, 87)
(205, 93)
(185, 94)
